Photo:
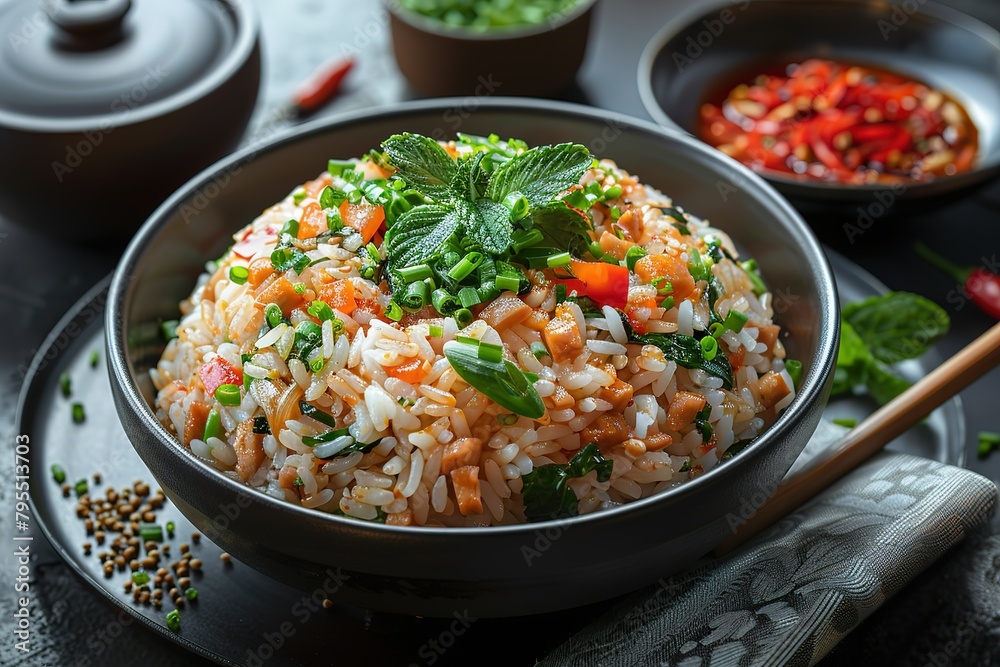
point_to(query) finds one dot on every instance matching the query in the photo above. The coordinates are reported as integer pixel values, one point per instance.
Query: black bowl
(688, 60)
(497, 571)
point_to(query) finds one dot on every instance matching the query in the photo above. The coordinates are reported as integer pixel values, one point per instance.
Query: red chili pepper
(322, 86)
(982, 286)
(606, 284)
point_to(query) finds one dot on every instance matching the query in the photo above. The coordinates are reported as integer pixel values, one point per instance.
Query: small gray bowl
(496, 571)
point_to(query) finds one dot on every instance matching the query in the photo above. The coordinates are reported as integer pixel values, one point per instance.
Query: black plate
(709, 45)
(241, 613)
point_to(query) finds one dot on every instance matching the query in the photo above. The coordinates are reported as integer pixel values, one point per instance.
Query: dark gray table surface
(949, 615)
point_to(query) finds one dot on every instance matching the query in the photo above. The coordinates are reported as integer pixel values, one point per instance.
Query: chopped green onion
(283, 259)
(174, 621)
(490, 352)
(228, 395)
(558, 260)
(95, 357)
(355, 197)
(539, 350)
(507, 420)
(633, 255)
(171, 527)
(560, 292)
(412, 274)
(140, 577)
(753, 272)
(735, 321)
(518, 205)
(464, 317)
(578, 199)
(444, 302)
(65, 384)
(794, 368)
(78, 414)
(273, 315)
(330, 198)
(596, 250)
(846, 422)
(417, 296)
(394, 312)
(709, 347)
(291, 228)
(191, 594)
(435, 331)
(317, 414)
(80, 488)
(238, 274)
(298, 195)
(373, 252)
(615, 213)
(716, 329)
(525, 239)
(58, 474)
(300, 288)
(213, 425)
(150, 532)
(321, 310)
(614, 192)
(468, 297)
(338, 167)
(699, 269)
(667, 303)
(337, 326)
(508, 283)
(334, 222)
(465, 266)
(298, 482)
(316, 365)
(662, 285)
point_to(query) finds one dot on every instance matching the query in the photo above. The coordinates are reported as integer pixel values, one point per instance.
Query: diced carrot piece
(618, 394)
(287, 476)
(315, 187)
(614, 246)
(467, 491)
(537, 320)
(505, 311)
(768, 334)
(562, 336)
(772, 389)
(675, 271)
(561, 399)
(282, 293)
(338, 294)
(365, 217)
(462, 452)
(249, 447)
(313, 221)
(683, 409)
(194, 424)
(412, 371)
(259, 270)
(609, 429)
(657, 441)
(632, 225)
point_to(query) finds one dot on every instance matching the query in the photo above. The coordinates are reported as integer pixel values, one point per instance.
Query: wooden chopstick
(880, 428)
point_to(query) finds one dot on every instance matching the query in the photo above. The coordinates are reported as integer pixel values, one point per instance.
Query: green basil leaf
(501, 381)
(853, 360)
(488, 223)
(686, 351)
(541, 173)
(547, 495)
(421, 162)
(898, 325)
(562, 227)
(884, 385)
(419, 235)
(471, 180)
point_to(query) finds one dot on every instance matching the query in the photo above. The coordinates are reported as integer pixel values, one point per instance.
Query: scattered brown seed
(155, 553)
(196, 537)
(134, 564)
(89, 526)
(184, 583)
(148, 563)
(99, 535)
(97, 478)
(144, 596)
(141, 489)
(173, 592)
(150, 545)
(128, 586)
(129, 553)
(184, 548)
(65, 490)
(108, 569)
(86, 548)
(224, 557)
(327, 603)
(157, 594)
(178, 601)
(162, 572)
(182, 570)
(195, 564)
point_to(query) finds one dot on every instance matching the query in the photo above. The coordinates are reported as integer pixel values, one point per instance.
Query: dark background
(949, 615)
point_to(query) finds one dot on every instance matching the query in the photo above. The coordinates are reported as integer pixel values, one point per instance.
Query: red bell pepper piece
(605, 284)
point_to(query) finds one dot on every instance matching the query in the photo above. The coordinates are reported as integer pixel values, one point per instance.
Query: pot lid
(69, 60)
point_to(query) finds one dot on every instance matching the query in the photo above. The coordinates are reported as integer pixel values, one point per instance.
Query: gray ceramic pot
(107, 106)
(499, 571)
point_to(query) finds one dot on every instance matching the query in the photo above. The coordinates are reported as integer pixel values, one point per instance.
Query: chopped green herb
(174, 621)
(500, 380)
(988, 443)
(78, 414)
(546, 492)
(140, 577)
(169, 329)
(846, 422)
(239, 274)
(298, 195)
(80, 488)
(191, 594)
(507, 420)
(702, 424)
(300, 288)
(228, 395)
(298, 482)
(58, 473)
(65, 384)
(95, 358)
(213, 425)
(794, 368)
(171, 527)
(150, 532)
